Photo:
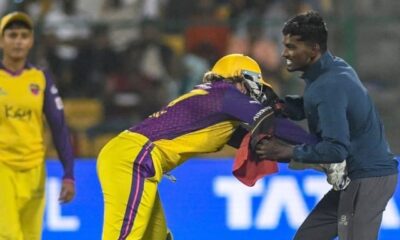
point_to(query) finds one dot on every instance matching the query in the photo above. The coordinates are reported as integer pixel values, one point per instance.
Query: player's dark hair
(310, 27)
(17, 24)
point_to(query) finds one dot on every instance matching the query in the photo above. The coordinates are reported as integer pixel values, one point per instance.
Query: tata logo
(279, 197)
(12, 112)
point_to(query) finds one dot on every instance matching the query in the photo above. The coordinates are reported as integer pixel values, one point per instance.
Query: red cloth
(246, 169)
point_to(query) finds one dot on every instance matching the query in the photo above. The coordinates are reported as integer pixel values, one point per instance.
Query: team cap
(15, 16)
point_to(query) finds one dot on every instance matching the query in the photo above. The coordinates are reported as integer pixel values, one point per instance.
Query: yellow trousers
(22, 202)
(129, 178)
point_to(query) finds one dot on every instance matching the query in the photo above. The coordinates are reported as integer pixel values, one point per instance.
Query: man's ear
(315, 52)
(316, 49)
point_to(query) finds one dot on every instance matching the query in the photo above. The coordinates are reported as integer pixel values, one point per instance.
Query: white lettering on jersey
(59, 103)
(261, 112)
(53, 89)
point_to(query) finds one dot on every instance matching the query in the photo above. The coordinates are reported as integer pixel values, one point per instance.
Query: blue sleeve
(53, 110)
(332, 126)
(240, 106)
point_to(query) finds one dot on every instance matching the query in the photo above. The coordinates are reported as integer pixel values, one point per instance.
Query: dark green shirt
(341, 113)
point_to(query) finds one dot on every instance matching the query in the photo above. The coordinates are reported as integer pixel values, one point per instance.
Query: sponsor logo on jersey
(12, 112)
(262, 112)
(204, 86)
(35, 89)
(59, 103)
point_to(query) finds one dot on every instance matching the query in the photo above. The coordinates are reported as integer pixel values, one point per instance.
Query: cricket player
(26, 94)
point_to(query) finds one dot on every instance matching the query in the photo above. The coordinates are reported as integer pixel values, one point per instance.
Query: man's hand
(67, 191)
(274, 149)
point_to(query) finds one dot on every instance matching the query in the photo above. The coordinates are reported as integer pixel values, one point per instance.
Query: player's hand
(274, 149)
(67, 191)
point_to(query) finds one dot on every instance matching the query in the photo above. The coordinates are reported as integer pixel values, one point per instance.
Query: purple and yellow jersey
(200, 121)
(24, 97)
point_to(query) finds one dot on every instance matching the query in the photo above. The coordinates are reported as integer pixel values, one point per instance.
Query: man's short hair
(310, 27)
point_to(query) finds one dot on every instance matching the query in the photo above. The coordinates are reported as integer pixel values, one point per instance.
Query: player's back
(197, 122)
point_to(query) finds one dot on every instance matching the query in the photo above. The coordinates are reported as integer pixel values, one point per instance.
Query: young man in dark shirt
(341, 114)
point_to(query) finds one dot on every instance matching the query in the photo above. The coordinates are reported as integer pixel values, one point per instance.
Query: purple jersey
(206, 105)
(201, 121)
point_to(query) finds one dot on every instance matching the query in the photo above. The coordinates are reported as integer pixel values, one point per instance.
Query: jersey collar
(15, 73)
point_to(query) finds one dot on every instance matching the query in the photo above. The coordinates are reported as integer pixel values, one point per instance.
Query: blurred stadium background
(117, 61)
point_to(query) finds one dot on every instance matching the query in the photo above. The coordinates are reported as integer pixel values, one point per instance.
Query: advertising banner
(205, 202)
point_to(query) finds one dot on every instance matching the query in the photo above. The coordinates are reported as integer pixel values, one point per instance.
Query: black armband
(237, 137)
(263, 126)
